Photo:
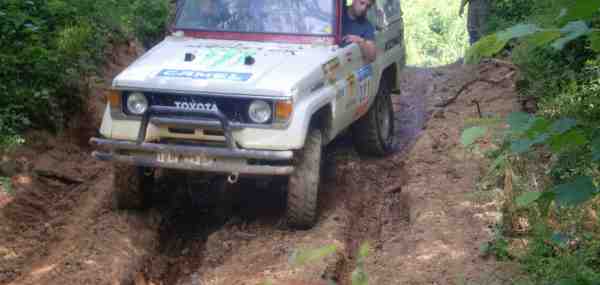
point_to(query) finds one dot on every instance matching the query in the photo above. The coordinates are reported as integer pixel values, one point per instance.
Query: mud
(418, 209)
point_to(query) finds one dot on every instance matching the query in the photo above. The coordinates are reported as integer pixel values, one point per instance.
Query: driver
(357, 29)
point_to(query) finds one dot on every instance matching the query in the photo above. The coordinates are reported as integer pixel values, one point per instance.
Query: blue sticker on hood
(364, 72)
(205, 75)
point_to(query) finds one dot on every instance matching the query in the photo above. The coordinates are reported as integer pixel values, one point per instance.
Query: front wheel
(303, 184)
(373, 134)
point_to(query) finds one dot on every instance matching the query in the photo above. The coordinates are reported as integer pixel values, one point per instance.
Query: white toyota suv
(251, 88)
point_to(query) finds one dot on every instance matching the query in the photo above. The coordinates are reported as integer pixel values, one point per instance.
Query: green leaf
(544, 202)
(470, 135)
(538, 126)
(568, 140)
(542, 38)
(563, 125)
(571, 31)
(498, 162)
(302, 257)
(595, 41)
(528, 198)
(519, 122)
(580, 10)
(487, 46)
(363, 251)
(518, 31)
(540, 139)
(596, 149)
(520, 146)
(572, 194)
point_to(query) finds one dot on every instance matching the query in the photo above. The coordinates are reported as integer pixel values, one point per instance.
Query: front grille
(234, 108)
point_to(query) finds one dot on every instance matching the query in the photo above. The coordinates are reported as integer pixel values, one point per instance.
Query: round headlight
(260, 112)
(137, 103)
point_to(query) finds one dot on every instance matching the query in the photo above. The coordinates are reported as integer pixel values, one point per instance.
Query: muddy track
(60, 229)
(359, 198)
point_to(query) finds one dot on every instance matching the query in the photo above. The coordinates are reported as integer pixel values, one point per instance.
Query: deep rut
(357, 202)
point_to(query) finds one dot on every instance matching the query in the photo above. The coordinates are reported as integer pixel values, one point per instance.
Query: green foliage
(556, 258)
(595, 41)
(573, 23)
(488, 46)
(359, 276)
(572, 146)
(556, 136)
(581, 9)
(6, 184)
(434, 33)
(498, 247)
(49, 47)
(554, 156)
(581, 190)
(505, 13)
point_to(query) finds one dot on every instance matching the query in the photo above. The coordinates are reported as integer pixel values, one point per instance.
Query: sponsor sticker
(205, 75)
(365, 78)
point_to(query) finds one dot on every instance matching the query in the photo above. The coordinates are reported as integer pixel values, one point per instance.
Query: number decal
(365, 77)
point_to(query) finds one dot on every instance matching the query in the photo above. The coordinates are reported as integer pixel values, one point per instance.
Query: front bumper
(226, 160)
(216, 160)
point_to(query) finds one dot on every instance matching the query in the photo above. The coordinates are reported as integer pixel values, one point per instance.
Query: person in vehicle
(357, 29)
(207, 14)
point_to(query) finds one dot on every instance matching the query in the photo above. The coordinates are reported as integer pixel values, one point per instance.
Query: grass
(435, 34)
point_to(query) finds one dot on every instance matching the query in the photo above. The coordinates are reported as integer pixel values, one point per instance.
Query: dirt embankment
(418, 209)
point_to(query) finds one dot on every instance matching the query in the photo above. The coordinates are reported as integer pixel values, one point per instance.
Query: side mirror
(381, 19)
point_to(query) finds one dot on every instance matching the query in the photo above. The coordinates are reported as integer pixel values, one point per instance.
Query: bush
(434, 36)
(50, 46)
(557, 49)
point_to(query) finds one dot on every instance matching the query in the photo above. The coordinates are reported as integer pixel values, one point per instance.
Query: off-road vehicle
(252, 88)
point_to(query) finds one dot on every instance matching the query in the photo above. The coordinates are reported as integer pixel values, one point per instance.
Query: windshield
(303, 17)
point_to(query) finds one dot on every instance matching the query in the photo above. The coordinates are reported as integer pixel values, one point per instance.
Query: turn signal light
(113, 97)
(283, 110)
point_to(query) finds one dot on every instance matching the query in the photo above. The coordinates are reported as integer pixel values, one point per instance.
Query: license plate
(171, 158)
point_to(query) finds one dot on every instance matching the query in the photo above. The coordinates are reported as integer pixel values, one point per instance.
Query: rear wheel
(373, 134)
(130, 185)
(303, 184)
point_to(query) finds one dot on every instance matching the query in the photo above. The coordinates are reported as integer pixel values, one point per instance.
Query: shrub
(434, 36)
(50, 46)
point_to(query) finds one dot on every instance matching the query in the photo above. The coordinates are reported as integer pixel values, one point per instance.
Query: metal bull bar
(229, 159)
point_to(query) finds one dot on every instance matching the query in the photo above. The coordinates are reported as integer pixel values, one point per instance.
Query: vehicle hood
(219, 66)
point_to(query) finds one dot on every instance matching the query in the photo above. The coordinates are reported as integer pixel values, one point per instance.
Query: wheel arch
(323, 120)
(390, 77)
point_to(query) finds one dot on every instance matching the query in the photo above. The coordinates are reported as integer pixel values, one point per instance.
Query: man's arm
(367, 47)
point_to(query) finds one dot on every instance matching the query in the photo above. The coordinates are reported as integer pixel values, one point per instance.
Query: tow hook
(233, 178)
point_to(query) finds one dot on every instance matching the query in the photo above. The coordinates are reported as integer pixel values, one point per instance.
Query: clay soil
(419, 209)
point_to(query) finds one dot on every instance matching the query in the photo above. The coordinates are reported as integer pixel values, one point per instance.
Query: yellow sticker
(328, 30)
(330, 69)
(351, 84)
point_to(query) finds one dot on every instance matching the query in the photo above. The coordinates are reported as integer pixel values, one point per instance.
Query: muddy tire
(130, 184)
(303, 184)
(373, 134)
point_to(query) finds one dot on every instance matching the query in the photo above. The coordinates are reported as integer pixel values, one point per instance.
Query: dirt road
(418, 210)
